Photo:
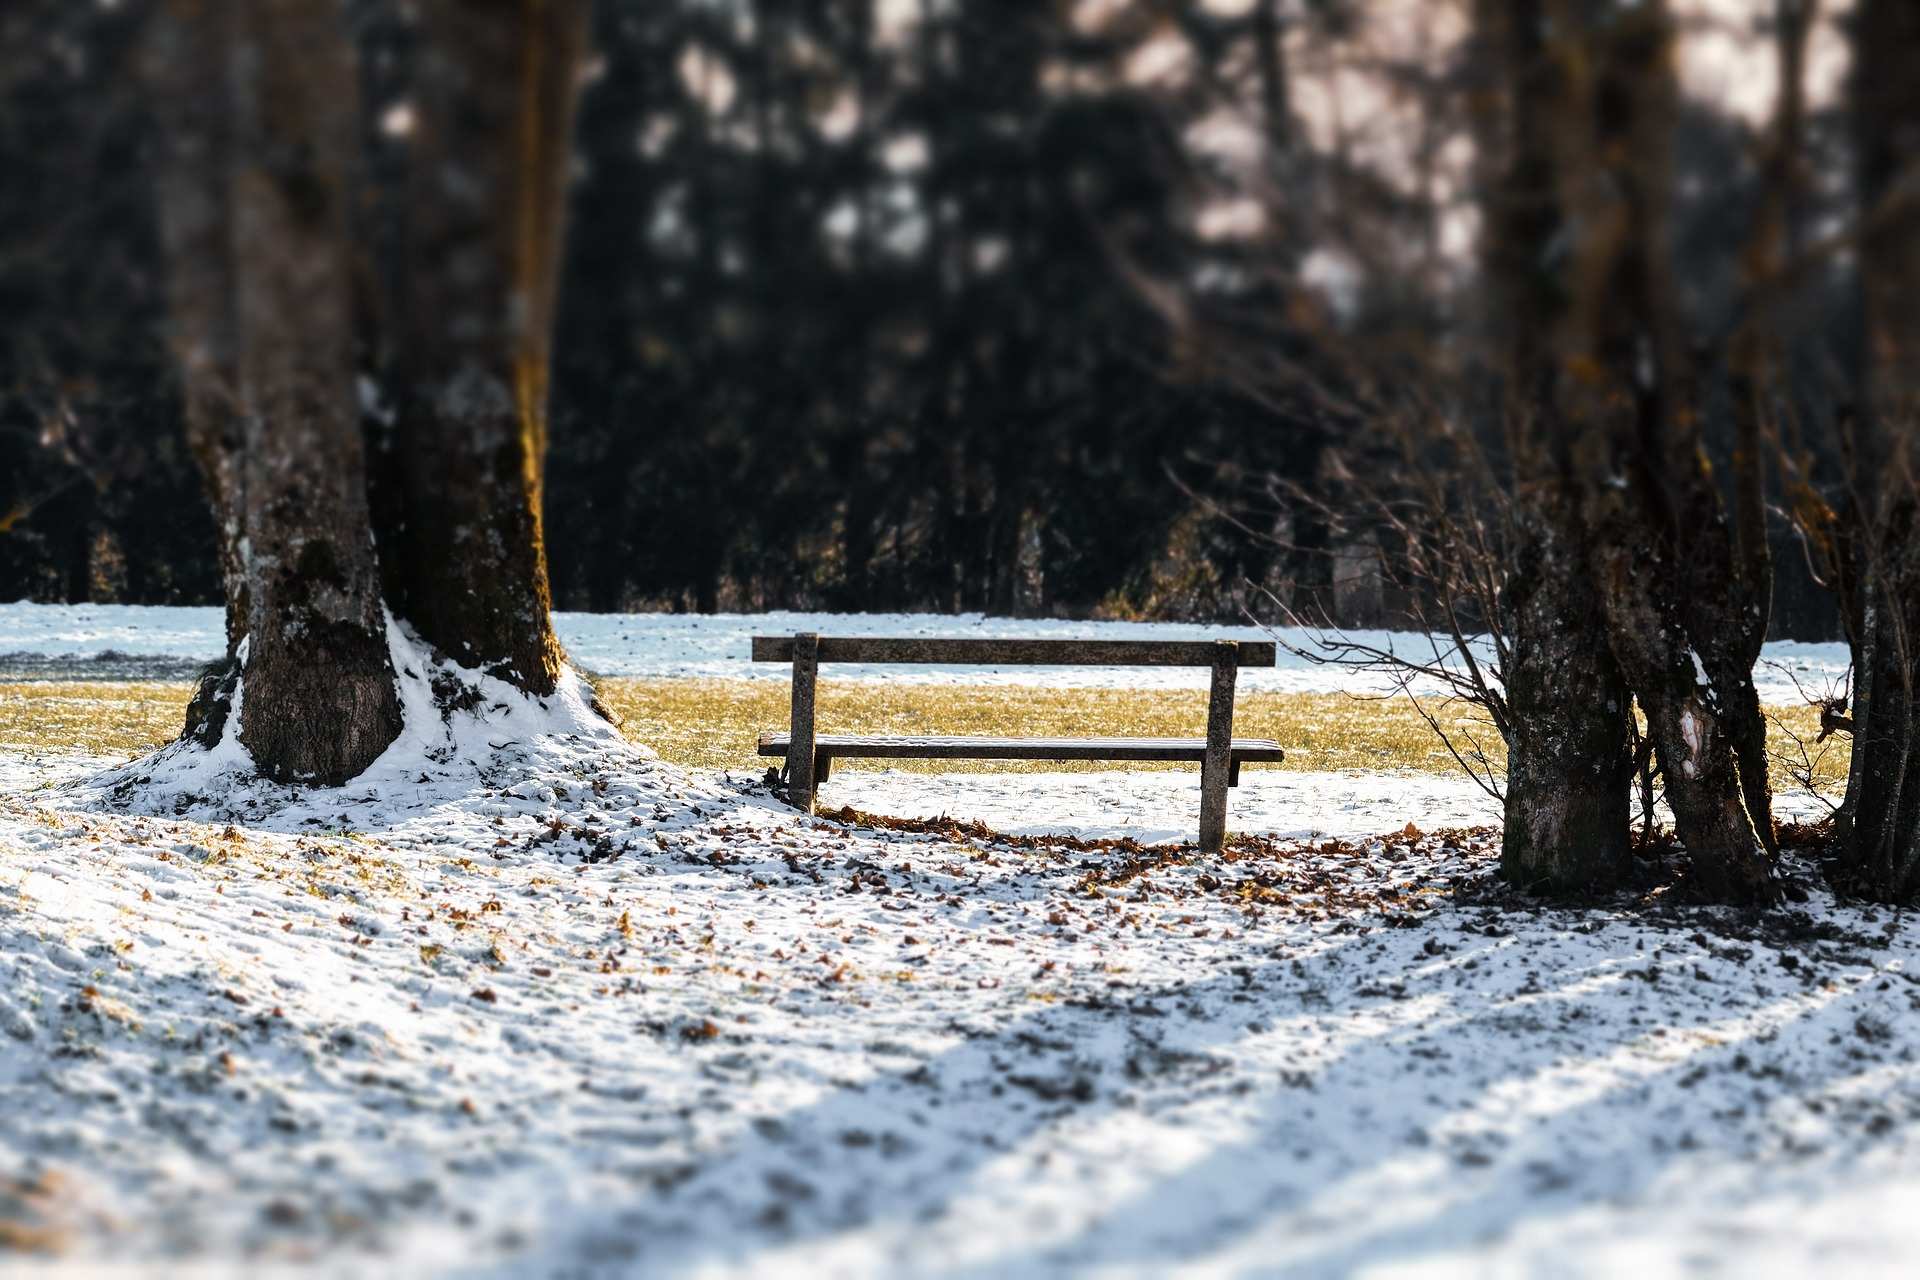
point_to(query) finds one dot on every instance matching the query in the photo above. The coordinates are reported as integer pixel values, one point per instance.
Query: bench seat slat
(853, 746)
(974, 651)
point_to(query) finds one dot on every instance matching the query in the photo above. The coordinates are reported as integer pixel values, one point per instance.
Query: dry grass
(715, 723)
(718, 722)
(119, 718)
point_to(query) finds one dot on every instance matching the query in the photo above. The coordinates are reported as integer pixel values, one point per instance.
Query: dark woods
(882, 305)
(840, 322)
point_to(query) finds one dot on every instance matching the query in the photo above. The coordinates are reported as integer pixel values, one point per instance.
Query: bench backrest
(1020, 653)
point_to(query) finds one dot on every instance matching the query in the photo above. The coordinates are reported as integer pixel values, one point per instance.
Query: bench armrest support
(806, 669)
(1216, 769)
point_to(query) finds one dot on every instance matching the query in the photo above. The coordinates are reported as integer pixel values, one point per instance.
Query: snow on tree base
(462, 729)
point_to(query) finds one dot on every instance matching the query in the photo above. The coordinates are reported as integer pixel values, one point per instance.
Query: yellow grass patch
(716, 723)
(108, 718)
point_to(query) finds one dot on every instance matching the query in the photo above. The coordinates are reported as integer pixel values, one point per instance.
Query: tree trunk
(1735, 642)
(1880, 839)
(1677, 621)
(1569, 767)
(1568, 764)
(256, 187)
(464, 558)
(1880, 842)
(320, 702)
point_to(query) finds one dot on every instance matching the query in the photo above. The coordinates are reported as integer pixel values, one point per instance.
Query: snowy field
(526, 1001)
(82, 642)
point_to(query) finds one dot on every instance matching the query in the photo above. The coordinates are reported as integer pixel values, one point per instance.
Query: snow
(438, 751)
(116, 641)
(1691, 735)
(1159, 807)
(527, 1001)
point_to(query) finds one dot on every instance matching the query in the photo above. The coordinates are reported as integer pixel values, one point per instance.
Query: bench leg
(1233, 774)
(822, 766)
(1217, 767)
(800, 754)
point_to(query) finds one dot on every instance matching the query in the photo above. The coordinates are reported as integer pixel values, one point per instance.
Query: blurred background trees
(99, 497)
(1025, 307)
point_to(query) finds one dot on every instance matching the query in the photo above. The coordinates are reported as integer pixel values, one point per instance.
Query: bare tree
(1568, 706)
(1604, 565)
(1684, 623)
(1880, 832)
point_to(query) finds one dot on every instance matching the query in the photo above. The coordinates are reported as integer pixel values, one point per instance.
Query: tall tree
(257, 196)
(1880, 837)
(1736, 636)
(1684, 624)
(262, 167)
(469, 322)
(1568, 702)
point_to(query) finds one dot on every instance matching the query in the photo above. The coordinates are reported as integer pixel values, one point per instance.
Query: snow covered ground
(120, 641)
(526, 1001)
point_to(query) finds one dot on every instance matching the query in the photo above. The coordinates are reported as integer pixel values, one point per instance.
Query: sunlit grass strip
(108, 718)
(716, 723)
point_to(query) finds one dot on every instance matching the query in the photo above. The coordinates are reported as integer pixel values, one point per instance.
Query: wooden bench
(810, 755)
